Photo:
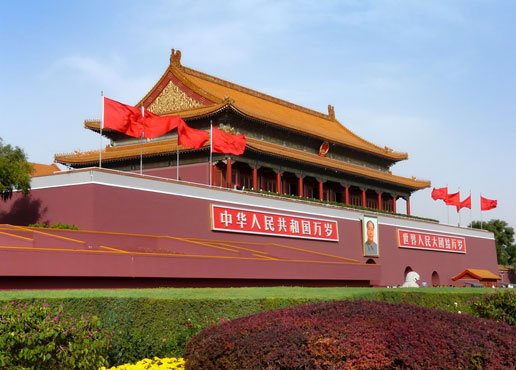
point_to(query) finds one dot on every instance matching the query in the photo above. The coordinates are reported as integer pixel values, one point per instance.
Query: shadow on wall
(24, 211)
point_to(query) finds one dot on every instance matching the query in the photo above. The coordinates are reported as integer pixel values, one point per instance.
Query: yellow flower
(171, 363)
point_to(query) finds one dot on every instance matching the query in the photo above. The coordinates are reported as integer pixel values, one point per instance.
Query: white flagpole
(177, 157)
(459, 207)
(447, 208)
(470, 207)
(101, 127)
(210, 170)
(141, 144)
(481, 226)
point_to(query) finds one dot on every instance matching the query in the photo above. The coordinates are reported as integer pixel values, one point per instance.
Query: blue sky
(435, 79)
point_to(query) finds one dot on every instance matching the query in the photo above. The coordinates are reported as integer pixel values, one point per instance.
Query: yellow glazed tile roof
(44, 169)
(169, 146)
(265, 108)
(478, 274)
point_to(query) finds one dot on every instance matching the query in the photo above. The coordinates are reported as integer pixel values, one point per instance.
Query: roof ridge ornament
(175, 57)
(331, 112)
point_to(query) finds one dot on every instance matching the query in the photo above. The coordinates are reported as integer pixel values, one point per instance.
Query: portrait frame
(370, 249)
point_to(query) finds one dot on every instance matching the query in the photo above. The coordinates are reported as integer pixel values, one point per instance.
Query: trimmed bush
(354, 335)
(500, 307)
(39, 337)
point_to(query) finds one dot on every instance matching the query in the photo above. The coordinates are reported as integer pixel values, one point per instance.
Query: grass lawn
(226, 293)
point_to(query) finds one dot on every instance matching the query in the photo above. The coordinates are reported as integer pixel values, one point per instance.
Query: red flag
(453, 199)
(155, 126)
(190, 137)
(223, 142)
(466, 203)
(487, 204)
(440, 193)
(129, 120)
(123, 118)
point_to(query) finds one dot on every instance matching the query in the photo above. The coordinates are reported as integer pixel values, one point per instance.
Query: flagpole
(481, 227)
(447, 208)
(141, 144)
(470, 206)
(101, 126)
(211, 156)
(459, 207)
(177, 158)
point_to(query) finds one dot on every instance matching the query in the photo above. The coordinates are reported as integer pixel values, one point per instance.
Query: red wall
(107, 208)
(197, 173)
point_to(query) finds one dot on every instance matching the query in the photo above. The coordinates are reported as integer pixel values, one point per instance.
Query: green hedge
(147, 327)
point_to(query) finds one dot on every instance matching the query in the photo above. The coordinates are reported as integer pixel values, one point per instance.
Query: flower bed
(152, 364)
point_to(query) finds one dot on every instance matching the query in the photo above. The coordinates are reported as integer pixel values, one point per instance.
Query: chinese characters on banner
(240, 220)
(427, 241)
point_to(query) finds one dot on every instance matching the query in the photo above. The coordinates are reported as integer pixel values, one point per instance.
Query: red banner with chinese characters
(430, 241)
(239, 220)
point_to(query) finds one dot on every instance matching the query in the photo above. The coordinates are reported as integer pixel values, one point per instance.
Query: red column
(408, 205)
(379, 206)
(229, 183)
(394, 203)
(346, 194)
(321, 190)
(364, 203)
(213, 175)
(255, 178)
(300, 186)
(278, 182)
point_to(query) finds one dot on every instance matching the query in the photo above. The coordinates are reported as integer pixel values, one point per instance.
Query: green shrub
(354, 335)
(37, 336)
(500, 306)
(147, 327)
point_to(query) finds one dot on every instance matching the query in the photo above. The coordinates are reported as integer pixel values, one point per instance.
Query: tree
(504, 239)
(15, 171)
